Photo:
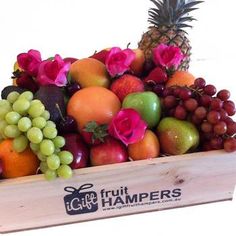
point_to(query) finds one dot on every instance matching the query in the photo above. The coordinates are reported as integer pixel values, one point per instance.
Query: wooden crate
(120, 189)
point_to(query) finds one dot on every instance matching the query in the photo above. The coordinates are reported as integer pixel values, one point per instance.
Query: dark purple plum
(10, 89)
(52, 97)
(79, 150)
(72, 88)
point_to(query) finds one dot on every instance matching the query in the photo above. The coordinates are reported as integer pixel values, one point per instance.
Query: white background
(78, 28)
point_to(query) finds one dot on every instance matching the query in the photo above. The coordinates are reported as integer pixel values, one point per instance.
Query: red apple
(102, 55)
(138, 63)
(110, 152)
(125, 85)
(79, 150)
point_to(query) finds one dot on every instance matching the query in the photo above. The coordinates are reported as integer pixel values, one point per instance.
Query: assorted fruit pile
(115, 106)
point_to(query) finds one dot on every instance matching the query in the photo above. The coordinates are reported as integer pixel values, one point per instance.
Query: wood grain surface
(157, 184)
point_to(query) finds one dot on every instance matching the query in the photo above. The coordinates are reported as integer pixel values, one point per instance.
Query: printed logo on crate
(80, 201)
(83, 200)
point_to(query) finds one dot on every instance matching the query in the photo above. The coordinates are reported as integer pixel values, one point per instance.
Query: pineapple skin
(170, 36)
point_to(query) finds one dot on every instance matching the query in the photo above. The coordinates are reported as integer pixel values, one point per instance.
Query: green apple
(177, 136)
(147, 104)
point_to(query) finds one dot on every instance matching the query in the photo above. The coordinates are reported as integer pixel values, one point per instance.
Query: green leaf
(99, 132)
(153, 22)
(91, 126)
(191, 4)
(185, 11)
(153, 10)
(184, 19)
(158, 3)
(153, 14)
(183, 25)
(104, 127)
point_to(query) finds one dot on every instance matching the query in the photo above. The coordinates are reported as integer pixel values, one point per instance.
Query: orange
(147, 148)
(17, 164)
(181, 78)
(93, 104)
(89, 72)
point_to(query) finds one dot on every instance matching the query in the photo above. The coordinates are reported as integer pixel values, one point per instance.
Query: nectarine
(90, 72)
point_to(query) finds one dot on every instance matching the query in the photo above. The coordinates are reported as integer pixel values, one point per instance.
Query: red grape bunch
(210, 111)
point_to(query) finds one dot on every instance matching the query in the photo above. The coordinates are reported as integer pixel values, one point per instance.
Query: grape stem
(198, 91)
(38, 171)
(60, 113)
(226, 136)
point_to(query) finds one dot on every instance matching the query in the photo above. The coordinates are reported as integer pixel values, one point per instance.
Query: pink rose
(127, 126)
(118, 61)
(29, 62)
(167, 56)
(53, 72)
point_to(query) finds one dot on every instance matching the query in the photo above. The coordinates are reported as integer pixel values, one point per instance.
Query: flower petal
(36, 54)
(130, 56)
(118, 61)
(139, 132)
(61, 79)
(167, 56)
(127, 126)
(53, 72)
(29, 62)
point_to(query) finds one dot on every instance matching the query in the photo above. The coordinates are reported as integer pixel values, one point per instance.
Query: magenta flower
(53, 72)
(118, 61)
(167, 56)
(127, 126)
(29, 62)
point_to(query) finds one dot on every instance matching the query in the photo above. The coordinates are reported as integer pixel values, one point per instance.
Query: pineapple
(168, 20)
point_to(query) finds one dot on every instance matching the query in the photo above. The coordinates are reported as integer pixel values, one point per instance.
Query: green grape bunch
(26, 121)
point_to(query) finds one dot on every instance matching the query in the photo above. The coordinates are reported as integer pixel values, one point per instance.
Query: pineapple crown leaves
(172, 13)
(99, 132)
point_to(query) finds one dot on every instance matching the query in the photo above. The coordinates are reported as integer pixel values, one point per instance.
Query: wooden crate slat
(32, 202)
